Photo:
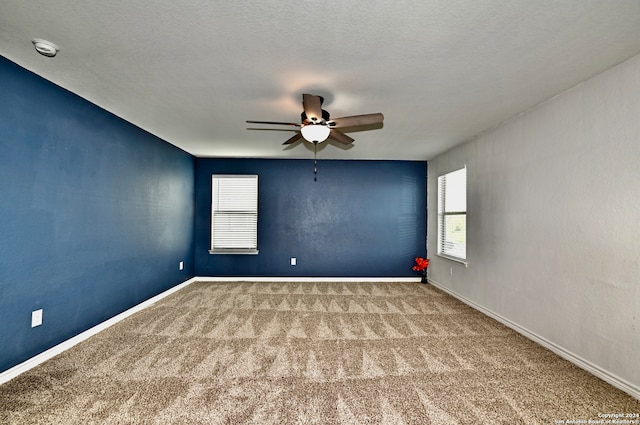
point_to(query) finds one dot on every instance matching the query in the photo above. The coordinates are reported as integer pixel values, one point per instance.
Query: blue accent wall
(359, 219)
(95, 214)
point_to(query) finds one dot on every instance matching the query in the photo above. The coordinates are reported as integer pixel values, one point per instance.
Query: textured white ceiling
(441, 71)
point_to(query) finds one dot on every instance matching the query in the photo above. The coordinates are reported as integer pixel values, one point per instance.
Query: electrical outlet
(450, 271)
(181, 266)
(36, 318)
(294, 261)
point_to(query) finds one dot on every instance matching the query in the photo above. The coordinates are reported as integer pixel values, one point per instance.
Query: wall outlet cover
(36, 318)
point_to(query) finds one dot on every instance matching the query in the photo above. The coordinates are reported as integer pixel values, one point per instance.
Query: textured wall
(95, 214)
(553, 229)
(361, 218)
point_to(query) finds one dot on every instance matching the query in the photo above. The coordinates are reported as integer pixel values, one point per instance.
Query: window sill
(234, 251)
(456, 259)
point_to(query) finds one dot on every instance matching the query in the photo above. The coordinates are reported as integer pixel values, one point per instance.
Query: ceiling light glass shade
(315, 132)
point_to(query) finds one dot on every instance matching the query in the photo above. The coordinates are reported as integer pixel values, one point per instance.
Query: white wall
(553, 223)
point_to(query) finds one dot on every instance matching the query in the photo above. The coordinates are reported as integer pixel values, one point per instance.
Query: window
(234, 214)
(452, 215)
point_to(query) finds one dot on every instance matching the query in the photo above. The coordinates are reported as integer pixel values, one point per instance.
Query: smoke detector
(45, 48)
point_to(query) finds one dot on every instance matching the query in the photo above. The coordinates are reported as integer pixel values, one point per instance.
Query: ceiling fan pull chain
(315, 161)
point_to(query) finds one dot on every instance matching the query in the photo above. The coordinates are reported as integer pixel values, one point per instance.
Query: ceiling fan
(316, 125)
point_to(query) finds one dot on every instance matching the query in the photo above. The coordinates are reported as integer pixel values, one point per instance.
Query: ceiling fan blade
(293, 139)
(273, 122)
(270, 129)
(340, 137)
(356, 120)
(312, 106)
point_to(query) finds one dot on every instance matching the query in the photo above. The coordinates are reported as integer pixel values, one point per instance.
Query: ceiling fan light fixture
(315, 133)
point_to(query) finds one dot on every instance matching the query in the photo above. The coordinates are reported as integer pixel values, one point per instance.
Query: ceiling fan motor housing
(325, 117)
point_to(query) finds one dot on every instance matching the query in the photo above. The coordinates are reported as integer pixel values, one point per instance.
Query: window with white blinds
(234, 214)
(452, 215)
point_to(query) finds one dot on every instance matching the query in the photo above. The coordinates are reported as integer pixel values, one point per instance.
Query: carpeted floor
(308, 353)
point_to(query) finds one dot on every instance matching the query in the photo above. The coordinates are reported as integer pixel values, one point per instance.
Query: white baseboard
(616, 381)
(9, 374)
(306, 279)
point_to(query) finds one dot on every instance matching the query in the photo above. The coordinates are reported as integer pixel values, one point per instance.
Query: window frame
(443, 213)
(238, 211)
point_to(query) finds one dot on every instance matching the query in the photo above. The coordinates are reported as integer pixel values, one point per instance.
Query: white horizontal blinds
(234, 217)
(452, 214)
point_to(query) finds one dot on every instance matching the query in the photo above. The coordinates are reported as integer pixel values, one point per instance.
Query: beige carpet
(308, 353)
